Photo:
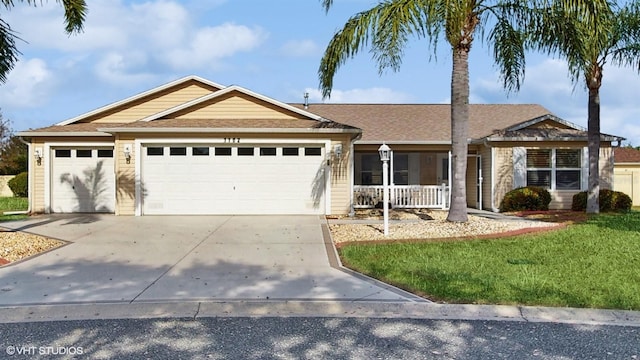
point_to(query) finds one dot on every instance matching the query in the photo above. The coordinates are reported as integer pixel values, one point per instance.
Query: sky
(270, 47)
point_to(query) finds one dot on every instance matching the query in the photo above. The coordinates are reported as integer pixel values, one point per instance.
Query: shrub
(609, 201)
(20, 184)
(526, 198)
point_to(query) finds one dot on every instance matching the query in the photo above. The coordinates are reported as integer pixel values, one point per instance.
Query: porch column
(449, 185)
(392, 196)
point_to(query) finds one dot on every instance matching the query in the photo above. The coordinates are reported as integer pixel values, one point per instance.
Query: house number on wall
(232, 140)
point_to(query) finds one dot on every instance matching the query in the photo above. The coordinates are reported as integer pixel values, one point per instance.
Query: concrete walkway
(184, 258)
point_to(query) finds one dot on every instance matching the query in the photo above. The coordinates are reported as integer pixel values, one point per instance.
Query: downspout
(29, 172)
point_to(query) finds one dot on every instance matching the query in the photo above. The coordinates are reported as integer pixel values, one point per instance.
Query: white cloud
(210, 44)
(376, 95)
(27, 85)
(300, 48)
(116, 68)
(164, 31)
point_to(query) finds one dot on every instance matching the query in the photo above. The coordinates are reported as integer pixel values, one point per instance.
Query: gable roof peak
(228, 90)
(141, 95)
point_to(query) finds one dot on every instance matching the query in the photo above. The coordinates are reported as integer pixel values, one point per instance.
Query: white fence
(403, 196)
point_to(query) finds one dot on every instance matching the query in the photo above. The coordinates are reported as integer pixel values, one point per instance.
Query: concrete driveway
(177, 258)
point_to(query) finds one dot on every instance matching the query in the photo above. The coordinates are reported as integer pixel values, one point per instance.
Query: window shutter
(585, 169)
(519, 167)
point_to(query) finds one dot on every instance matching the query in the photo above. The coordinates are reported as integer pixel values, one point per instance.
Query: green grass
(591, 265)
(13, 204)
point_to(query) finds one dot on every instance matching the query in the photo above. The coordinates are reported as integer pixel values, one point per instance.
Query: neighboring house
(627, 173)
(196, 147)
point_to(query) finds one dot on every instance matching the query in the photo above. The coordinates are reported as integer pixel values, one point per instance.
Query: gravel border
(16, 246)
(429, 224)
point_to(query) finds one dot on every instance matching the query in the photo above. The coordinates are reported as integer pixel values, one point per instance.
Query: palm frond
(8, 51)
(75, 12)
(385, 28)
(508, 53)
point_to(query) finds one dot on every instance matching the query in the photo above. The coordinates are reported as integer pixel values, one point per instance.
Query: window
(105, 153)
(223, 151)
(290, 151)
(63, 153)
(371, 171)
(555, 169)
(245, 151)
(178, 151)
(268, 151)
(200, 151)
(155, 151)
(84, 153)
(400, 169)
(313, 151)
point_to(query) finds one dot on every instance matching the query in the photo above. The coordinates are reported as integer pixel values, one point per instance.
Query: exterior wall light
(37, 155)
(127, 153)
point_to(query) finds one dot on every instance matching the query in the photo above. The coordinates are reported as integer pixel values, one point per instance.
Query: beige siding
(606, 167)
(235, 106)
(37, 189)
(341, 180)
(125, 178)
(502, 173)
(561, 199)
(153, 104)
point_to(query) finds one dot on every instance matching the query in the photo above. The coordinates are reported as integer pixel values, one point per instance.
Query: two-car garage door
(232, 179)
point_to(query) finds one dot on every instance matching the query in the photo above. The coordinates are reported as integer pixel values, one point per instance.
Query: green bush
(609, 201)
(20, 184)
(526, 198)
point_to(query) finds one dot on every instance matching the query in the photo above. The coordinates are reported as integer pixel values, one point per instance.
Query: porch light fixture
(337, 150)
(127, 153)
(37, 154)
(385, 154)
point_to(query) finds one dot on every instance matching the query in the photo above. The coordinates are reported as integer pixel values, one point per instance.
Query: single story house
(196, 147)
(626, 173)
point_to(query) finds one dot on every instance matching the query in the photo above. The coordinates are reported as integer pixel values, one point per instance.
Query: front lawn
(595, 264)
(13, 204)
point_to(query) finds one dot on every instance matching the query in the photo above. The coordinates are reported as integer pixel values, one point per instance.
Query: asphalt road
(314, 338)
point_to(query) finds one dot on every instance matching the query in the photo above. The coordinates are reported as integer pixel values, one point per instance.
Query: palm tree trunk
(459, 130)
(593, 131)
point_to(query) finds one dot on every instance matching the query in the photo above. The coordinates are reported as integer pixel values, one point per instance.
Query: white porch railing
(403, 196)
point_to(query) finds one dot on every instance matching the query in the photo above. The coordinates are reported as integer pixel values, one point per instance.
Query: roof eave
(63, 134)
(543, 138)
(403, 142)
(229, 130)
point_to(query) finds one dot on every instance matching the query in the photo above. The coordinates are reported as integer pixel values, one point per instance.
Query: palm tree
(387, 27)
(605, 35)
(74, 15)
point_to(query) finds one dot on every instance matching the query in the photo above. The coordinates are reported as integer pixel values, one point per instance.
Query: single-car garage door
(224, 179)
(82, 180)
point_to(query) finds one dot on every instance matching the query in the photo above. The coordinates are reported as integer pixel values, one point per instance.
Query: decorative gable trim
(542, 118)
(228, 90)
(140, 96)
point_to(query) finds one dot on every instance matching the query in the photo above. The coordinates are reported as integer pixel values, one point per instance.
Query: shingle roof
(626, 155)
(423, 122)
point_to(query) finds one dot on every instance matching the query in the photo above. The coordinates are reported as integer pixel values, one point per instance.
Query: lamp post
(385, 154)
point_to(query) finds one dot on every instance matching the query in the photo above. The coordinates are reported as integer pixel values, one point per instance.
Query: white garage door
(224, 179)
(82, 180)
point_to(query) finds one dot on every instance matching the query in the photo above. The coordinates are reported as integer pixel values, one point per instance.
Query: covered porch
(418, 177)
